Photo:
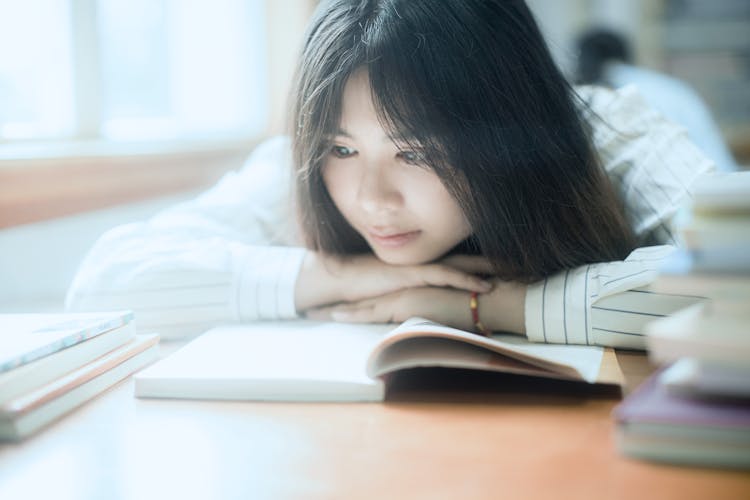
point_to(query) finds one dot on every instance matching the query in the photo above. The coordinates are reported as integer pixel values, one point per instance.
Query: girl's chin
(403, 258)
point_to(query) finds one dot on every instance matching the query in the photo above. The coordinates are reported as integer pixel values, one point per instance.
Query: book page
(419, 342)
(274, 361)
(449, 353)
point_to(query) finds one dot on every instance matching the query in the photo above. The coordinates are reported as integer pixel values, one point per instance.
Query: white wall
(38, 261)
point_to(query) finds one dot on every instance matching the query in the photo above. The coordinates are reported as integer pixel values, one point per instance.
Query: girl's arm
(221, 257)
(598, 304)
(601, 304)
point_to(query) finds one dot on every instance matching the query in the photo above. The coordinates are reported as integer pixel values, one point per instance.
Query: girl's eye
(342, 151)
(411, 157)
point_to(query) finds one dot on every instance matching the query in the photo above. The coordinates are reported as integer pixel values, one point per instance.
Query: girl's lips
(395, 240)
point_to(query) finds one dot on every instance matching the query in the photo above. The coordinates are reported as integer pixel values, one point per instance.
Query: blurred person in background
(605, 58)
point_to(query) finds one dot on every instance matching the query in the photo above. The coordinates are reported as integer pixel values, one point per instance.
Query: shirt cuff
(265, 290)
(557, 309)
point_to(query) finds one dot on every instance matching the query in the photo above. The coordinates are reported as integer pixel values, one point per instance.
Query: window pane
(36, 91)
(176, 68)
(134, 63)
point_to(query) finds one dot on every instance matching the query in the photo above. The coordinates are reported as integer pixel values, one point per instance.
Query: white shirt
(233, 253)
(678, 102)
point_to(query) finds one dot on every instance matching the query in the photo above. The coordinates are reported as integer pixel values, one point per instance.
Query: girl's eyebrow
(343, 133)
(387, 138)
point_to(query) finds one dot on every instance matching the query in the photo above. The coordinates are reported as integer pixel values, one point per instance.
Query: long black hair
(471, 85)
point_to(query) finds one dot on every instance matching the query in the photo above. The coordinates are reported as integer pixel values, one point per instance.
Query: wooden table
(519, 442)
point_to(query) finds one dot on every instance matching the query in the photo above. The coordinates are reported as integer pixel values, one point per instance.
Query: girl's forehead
(366, 104)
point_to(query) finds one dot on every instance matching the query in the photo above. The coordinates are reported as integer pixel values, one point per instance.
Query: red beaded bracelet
(474, 306)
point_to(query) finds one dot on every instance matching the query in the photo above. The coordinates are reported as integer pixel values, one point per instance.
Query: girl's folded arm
(177, 282)
(601, 304)
(221, 257)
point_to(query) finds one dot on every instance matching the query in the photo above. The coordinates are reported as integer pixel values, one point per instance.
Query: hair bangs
(399, 75)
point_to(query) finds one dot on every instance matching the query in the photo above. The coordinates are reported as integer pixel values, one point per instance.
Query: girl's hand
(325, 280)
(446, 306)
(502, 309)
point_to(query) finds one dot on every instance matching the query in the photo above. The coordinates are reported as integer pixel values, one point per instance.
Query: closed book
(28, 413)
(28, 337)
(656, 424)
(690, 376)
(313, 361)
(682, 274)
(724, 259)
(697, 333)
(717, 231)
(722, 192)
(30, 375)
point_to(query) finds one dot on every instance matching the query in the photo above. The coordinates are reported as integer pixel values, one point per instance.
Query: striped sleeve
(649, 160)
(180, 285)
(221, 257)
(601, 304)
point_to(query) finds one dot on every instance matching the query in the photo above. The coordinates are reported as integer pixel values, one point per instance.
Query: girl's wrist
(503, 309)
(316, 283)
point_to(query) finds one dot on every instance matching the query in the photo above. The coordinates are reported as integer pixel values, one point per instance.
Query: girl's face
(398, 205)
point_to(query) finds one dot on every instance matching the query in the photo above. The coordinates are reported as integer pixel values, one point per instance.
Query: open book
(312, 361)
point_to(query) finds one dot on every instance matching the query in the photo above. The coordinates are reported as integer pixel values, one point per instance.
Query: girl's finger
(365, 311)
(369, 314)
(441, 275)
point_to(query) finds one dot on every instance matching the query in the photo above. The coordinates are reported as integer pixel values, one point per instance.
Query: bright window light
(182, 68)
(36, 94)
(132, 69)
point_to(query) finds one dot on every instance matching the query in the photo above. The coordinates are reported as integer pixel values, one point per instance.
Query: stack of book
(696, 408)
(52, 363)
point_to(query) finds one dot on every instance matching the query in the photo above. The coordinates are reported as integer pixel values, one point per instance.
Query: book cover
(27, 337)
(653, 403)
(312, 361)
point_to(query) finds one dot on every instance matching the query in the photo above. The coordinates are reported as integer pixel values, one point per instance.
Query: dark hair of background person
(472, 86)
(596, 48)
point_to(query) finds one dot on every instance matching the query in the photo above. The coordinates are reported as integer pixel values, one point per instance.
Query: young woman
(439, 166)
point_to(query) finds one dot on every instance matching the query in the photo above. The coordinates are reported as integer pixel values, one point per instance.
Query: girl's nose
(378, 193)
